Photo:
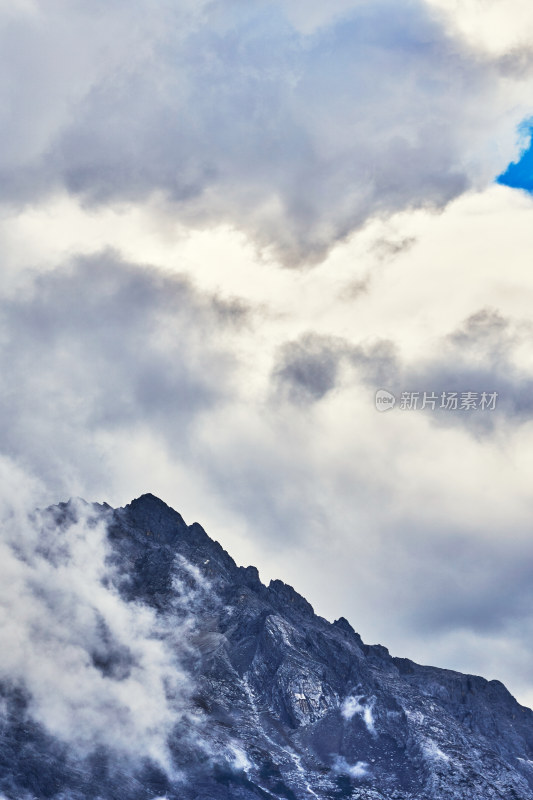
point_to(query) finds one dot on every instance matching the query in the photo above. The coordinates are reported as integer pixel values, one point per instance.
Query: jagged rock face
(283, 704)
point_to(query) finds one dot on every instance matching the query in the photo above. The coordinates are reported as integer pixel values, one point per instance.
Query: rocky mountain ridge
(282, 703)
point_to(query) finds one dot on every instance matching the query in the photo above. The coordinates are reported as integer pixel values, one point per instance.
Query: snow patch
(414, 716)
(433, 751)
(277, 625)
(298, 763)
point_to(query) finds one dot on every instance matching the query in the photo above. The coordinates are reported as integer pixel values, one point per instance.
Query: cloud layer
(100, 347)
(236, 114)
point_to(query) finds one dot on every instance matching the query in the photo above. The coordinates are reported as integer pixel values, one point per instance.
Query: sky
(224, 226)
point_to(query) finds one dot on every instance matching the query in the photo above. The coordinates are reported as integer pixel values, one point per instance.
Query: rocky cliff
(276, 702)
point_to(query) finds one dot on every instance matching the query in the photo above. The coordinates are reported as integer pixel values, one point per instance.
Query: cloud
(500, 26)
(355, 771)
(103, 681)
(386, 248)
(309, 368)
(352, 705)
(470, 581)
(480, 358)
(294, 133)
(99, 347)
(98, 672)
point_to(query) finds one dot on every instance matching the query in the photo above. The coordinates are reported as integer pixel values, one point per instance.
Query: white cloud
(501, 26)
(353, 705)
(238, 758)
(100, 672)
(358, 770)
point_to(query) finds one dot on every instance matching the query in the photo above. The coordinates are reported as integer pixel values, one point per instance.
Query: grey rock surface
(284, 704)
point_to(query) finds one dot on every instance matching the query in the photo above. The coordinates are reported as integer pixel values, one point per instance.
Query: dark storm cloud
(235, 115)
(103, 346)
(308, 368)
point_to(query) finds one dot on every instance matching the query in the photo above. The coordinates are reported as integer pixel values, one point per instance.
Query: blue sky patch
(519, 174)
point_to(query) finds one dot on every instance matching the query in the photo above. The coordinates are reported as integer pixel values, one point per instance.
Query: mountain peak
(282, 703)
(149, 500)
(151, 510)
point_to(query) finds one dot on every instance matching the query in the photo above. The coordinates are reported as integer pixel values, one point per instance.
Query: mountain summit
(187, 678)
